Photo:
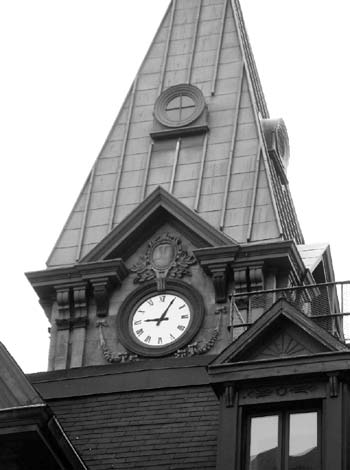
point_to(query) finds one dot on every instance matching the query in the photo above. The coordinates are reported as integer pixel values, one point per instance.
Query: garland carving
(196, 349)
(108, 354)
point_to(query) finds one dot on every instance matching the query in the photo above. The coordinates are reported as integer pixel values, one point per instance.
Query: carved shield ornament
(162, 255)
(164, 258)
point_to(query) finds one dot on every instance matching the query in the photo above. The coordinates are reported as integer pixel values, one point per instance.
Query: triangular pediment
(15, 390)
(155, 211)
(282, 332)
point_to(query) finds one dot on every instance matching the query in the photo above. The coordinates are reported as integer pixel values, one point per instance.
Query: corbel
(63, 301)
(101, 288)
(256, 283)
(240, 279)
(80, 300)
(216, 263)
(256, 277)
(219, 274)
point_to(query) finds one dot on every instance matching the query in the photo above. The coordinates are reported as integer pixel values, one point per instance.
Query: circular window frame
(169, 95)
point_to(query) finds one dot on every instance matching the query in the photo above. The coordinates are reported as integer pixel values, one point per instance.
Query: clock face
(154, 323)
(160, 320)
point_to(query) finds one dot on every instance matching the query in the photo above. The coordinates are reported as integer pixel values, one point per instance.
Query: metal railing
(328, 304)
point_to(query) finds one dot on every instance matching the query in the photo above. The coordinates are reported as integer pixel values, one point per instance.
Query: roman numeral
(138, 322)
(184, 316)
(139, 332)
(148, 339)
(162, 298)
(140, 311)
(150, 301)
(160, 341)
(172, 337)
(180, 327)
(182, 306)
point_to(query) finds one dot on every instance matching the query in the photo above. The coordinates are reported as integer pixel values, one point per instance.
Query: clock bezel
(139, 295)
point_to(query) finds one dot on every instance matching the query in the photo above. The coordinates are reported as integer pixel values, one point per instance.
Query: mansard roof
(227, 175)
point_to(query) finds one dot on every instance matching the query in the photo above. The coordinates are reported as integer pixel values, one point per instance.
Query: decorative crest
(164, 258)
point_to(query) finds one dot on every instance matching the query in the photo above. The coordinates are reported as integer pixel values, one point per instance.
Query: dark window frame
(283, 411)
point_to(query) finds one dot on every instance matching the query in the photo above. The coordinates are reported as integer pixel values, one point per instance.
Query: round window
(179, 105)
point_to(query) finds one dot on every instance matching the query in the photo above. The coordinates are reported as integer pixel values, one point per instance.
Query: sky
(66, 66)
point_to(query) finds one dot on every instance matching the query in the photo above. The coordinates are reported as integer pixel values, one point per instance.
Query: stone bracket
(101, 288)
(217, 263)
(219, 274)
(240, 277)
(63, 298)
(80, 300)
(248, 278)
(72, 300)
(256, 277)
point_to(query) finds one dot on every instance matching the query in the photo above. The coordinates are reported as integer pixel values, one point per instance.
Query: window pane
(304, 451)
(174, 104)
(187, 102)
(264, 451)
(173, 114)
(186, 112)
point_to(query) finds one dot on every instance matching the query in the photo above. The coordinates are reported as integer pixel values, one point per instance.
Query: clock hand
(156, 319)
(162, 317)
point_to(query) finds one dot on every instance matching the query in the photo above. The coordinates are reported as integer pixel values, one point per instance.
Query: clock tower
(187, 202)
(191, 327)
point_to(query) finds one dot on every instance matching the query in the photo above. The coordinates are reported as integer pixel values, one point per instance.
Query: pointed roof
(15, 389)
(226, 175)
(282, 331)
(27, 419)
(312, 255)
(318, 255)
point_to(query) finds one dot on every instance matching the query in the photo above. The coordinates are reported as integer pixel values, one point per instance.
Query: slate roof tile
(158, 429)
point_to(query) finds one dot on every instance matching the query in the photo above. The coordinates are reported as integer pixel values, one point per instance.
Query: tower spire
(191, 123)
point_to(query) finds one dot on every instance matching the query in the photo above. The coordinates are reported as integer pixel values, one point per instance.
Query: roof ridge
(247, 49)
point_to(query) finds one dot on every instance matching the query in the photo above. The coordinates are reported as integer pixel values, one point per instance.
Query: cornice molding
(75, 274)
(316, 364)
(69, 286)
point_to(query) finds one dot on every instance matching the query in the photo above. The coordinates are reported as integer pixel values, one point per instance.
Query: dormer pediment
(283, 332)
